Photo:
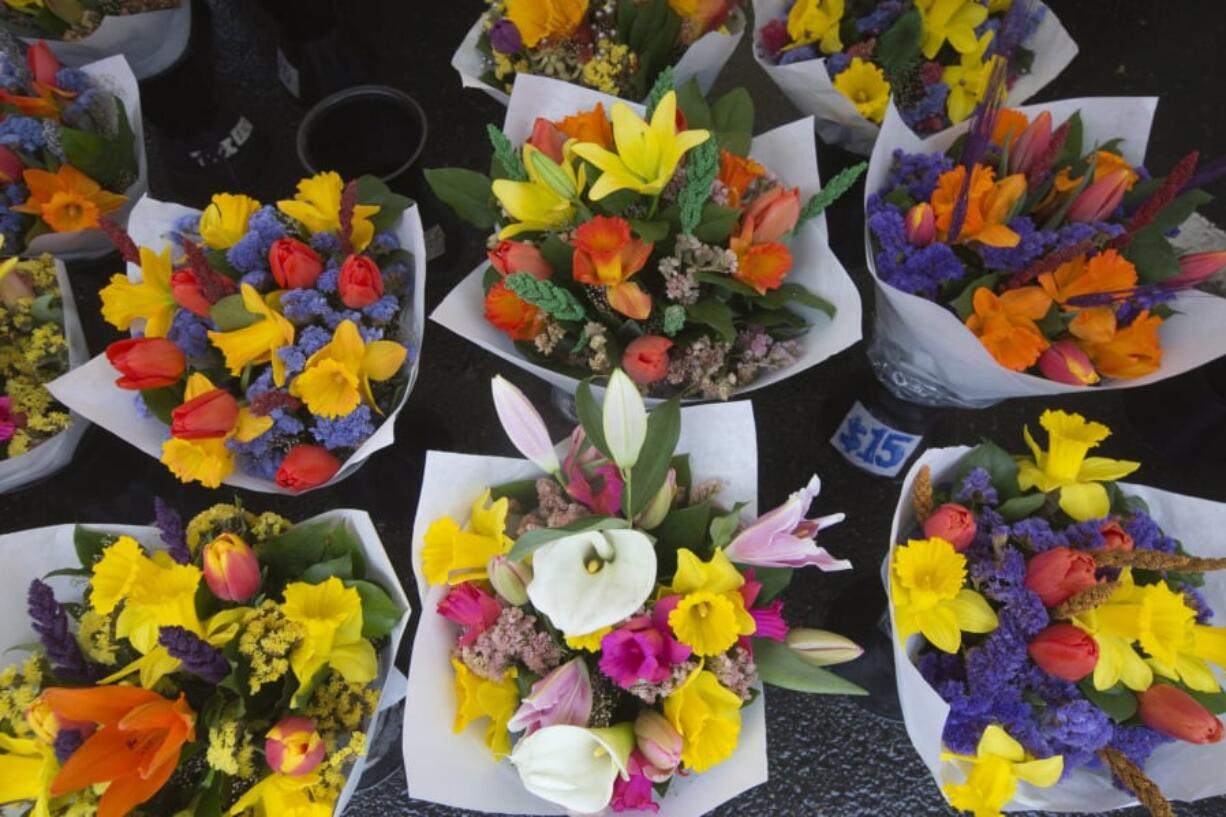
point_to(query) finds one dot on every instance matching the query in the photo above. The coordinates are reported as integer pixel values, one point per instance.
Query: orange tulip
(736, 173)
(67, 200)
(1005, 325)
(1009, 124)
(590, 126)
(988, 207)
(1134, 351)
(605, 255)
(135, 749)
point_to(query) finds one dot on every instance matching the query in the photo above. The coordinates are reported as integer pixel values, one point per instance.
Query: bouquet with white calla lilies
(608, 623)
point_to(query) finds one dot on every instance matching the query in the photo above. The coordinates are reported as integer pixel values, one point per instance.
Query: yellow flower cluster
(97, 637)
(231, 750)
(339, 706)
(333, 771)
(227, 518)
(268, 639)
(609, 67)
(18, 689)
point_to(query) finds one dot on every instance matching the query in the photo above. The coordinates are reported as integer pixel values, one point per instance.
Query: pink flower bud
(1198, 267)
(510, 579)
(921, 225)
(1064, 362)
(547, 139)
(293, 747)
(43, 63)
(510, 257)
(659, 742)
(1032, 144)
(1098, 201)
(953, 523)
(773, 214)
(11, 166)
(231, 568)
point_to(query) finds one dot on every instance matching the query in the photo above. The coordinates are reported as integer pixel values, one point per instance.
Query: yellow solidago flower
(952, 20)
(545, 19)
(865, 86)
(259, 342)
(331, 616)
(478, 697)
(711, 614)
(208, 460)
(999, 762)
(1065, 465)
(707, 715)
(455, 556)
(231, 750)
(647, 154)
(27, 767)
(928, 582)
(816, 21)
(968, 80)
(224, 221)
(536, 205)
(336, 379)
(317, 205)
(266, 642)
(283, 795)
(150, 300)
(589, 642)
(97, 639)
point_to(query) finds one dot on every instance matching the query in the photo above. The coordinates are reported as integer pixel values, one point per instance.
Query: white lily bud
(822, 648)
(624, 419)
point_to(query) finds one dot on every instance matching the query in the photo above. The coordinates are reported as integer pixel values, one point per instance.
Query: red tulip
(1177, 714)
(146, 363)
(185, 288)
(11, 166)
(212, 414)
(293, 747)
(1064, 651)
(294, 265)
(43, 63)
(307, 466)
(510, 257)
(921, 225)
(953, 523)
(361, 283)
(547, 138)
(1064, 362)
(1098, 201)
(1115, 537)
(1058, 574)
(646, 358)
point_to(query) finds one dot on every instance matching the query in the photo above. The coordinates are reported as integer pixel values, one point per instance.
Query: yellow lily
(1065, 465)
(952, 20)
(151, 300)
(27, 767)
(536, 205)
(455, 556)
(331, 615)
(259, 342)
(928, 582)
(337, 377)
(208, 460)
(647, 154)
(999, 763)
(317, 205)
(224, 221)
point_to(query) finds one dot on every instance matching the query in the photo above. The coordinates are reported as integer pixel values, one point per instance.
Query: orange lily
(605, 255)
(990, 203)
(1134, 351)
(67, 200)
(135, 750)
(590, 126)
(1005, 325)
(736, 173)
(42, 106)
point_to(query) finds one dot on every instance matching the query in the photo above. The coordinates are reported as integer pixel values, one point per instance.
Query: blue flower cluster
(22, 133)
(190, 333)
(931, 104)
(13, 75)
(73, 80)
(10, 219)
(902, 265)
(880, 18)
(977, 486)
(251, 251)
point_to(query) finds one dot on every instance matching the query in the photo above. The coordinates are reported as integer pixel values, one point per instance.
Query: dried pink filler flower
(515, 637)
(736, 670)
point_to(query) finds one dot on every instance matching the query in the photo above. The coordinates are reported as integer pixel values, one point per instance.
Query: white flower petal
(624, 420)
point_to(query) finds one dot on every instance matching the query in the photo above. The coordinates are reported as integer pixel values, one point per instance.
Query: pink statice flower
(472, 608)
(643, 649)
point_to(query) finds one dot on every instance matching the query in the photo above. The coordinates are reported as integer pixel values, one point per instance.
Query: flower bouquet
(1054, 644)
(693, 257)
(233, 666)
(150, 34)
(601, 617)
(72, 151)
(1049, 267)
(272, 345)
(40, 339)
(844, 61)
(618, 47)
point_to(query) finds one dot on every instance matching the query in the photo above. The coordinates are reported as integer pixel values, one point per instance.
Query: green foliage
(1153, 256)
(999, 465)
(230, 315)
(694, 105)
(663, 84)
(466, 192)
(506, 155)
(834, 189)
(1020, 507)
(1119, 702)
(379, 613)
(546, 295)
(522, 491)
(109, 161)
(716, 224)
(724, 526)
(683, 528)
(371, 190)
(899, 45)
(732, 121)
(591, 417)
(89, 544)
(702, 166)
(795, 293)
(716, 314)
(534, 539)
(964, 303)
(779, 666)
(161, 402)
(774, 581)
(651, 470)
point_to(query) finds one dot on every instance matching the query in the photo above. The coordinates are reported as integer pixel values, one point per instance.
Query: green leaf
(69, 571)
(694, 105)
(209, 804)
(372, 190)
(733, 112)
(1119, 702)
(999, 465)
(1153, 256)
(162, 402)
(540, 537)
(716, 224)
(380, 614)
(899, 45)
(506, 155)
(89, 544)
(768, 318)
(467, 192)
(716, 314)
(663, 84)
(591, 417)
(683, 528)
(681, 464)
(650, 230)
(292, 553)
(522, 491)
(1177, 212)
(230, 315)
(725, 282)
(1215, 702)
(734, 142)
(795, 293)
(109, 161)
(651, 470)
(490, 277)
(828, 195)
(1071, 152)
(559, 302)
(779, 666)
(724, 526)
(1021, 507)
(774, 581)
(963, 304)
(559, 254)
(340, 567)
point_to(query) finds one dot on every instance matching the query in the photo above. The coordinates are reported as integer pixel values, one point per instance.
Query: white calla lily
(624, 419)
(593, 579)
(572, 766)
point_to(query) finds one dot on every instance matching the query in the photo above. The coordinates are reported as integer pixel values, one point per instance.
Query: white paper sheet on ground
(1183, 771)
(458, 770)
(56, 452)
(151, 41)
(91, 389)
(809, 86)
(32, 554)
(788, 151)
(114, 75)
(704, 59)
(936, 343)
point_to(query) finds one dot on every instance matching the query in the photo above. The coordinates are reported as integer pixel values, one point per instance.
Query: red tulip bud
(510, 257)
(1098, 201)
(773, 214)
(212, 414)
(307, 466)
(646, 358)
(231, 568)
(1198, 267)
(11, 166)
(185, 288)
(953, 523)
(1058, 574)
(1115, 537)
(294, 265)
(921, 225)
(361, 283)
(1031, 144)
(1064, 362)
(1177, 714)
(43, 63)
(547, 138)
(146, 363)
(1064, 651)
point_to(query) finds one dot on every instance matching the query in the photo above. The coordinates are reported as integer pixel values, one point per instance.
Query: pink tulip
(773, 214)
(510, 257)
(231, 569)
(1198, 267)
(561, 698)
(921, 225)
(11, 166)
(523, 424)
(293, 747)
(547, 139)
(1064, 362)
(1032, 144)
(43, 63)
(785, 538)
(1098, 201)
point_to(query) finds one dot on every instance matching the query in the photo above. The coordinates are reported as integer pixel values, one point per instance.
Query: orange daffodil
(336, 379)
(545, 19)
(1006, 325)
(989, 205)
(605, 255)
(67, 200)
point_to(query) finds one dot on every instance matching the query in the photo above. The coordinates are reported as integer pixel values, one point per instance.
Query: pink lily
(563, 697)
(590, 478)
(523, 424)
(1198, 267)
(785, 538)
(472, 608)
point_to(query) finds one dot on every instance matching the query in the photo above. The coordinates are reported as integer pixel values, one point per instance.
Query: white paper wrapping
(937, 344)
(457, 769)
(1181, 770)
(32, 554)
(91, 389)
(811, 89)
(55, 453)
(703, 60)
(789, 151)
(151, 41)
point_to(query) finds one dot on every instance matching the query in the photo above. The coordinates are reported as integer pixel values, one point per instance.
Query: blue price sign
(871, 445)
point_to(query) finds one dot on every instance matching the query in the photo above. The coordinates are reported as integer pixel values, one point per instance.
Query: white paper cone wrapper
(789, 151)
(151, 41)
(809, 86)
(703, 60)
(32, 554)
(935, 343)
(1183, 771)
(91, 389)
(457, 769)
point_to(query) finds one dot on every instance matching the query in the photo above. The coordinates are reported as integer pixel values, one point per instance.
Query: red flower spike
(349, 202)
(120, 238)
(1175, 181)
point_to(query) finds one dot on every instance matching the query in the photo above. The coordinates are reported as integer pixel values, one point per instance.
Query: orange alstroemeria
(605, 255)
(135, 749)
(67, 200)
(761, 266)
(1005, 325)
(988, 208)
(736, 173)
(590, 126)
(42, 106)
(1134, 351)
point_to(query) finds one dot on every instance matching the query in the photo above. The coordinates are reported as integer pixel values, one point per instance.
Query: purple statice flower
(142, 408)
(13, 75)
(923, 271)
(976, 486)
(1143, 298)
(1076, 232)
(835, 63)
(1003, 580)
(313, 338)
(170, 526)
(199, 657)
(306, 306)
(1017, 26)
(1085, 535)
(1077, 729)
(1195, 599)
(325, 243)
(1137, 743)
(185, 225)
(991, 24)
(251, 251)
(383, 310)
(1146, 535)
(330, 277)
(931, 104)
(349, 431)
(880, 18)
(919, 172)
(802, 54)
(385, 241)
(66, 742)
(259, 279)
(73, 80)
(11, 224)
(293, 358)
(190, 332)
(22, 133)
(261, 384)
(1036, 534)
(50, 620)
(1032, 244)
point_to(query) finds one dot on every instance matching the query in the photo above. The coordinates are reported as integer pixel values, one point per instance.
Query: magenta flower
(643, 649)
(590, 478)
(634, 792)
(561, 698)
(472, 608)
(785, 538)
(769, 619)
(8, 423)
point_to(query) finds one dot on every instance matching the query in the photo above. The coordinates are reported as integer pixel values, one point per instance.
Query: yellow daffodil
(711, 614)
(816, 21)
(952, 20)
(647, 154)
(589, 642)
(1065, 465)
(336, 379)
(455, 556)
(865, 86)
(258, 342)
(968, 81)
(317, 205)
(999, 6)
(151, 300)
(707, 715)
(208, 460)
(999, 763)
(111, 576)
(283, 794)
(478, 697)
(928, 581)
(22, 5)
(224, 221)
(27, 767)
(539, 20)
(545, 201)
(331, 614)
